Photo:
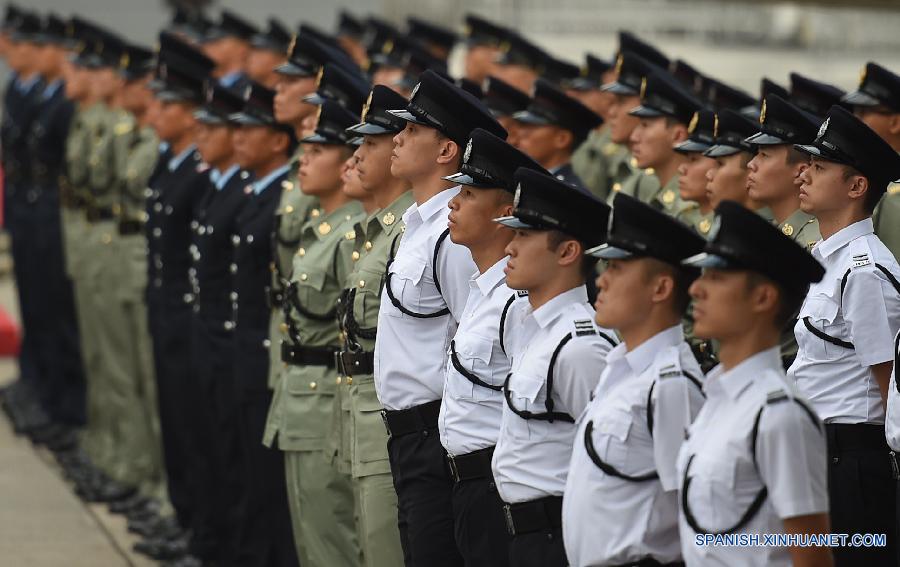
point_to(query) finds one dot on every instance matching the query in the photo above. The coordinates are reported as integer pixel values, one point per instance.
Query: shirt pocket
(370, 434)
(524, 394)
(822, 312)
(368, 297)
(713, 481)
(309, 285)
(473, 352)
(610, 437)
(406, 274)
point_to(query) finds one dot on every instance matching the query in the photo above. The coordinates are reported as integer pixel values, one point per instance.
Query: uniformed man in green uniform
(876, 102)
(665, 112)
(135, 150)
(358, 315)
(593, 159)
(320, 497)
(624, 174)
(692, 171)
(728, 177)
(774, 180)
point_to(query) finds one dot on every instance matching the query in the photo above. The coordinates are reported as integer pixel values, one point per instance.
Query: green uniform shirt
(633, 181)
(593, 161)
(668, 199)
(300, 413)
(802, 228)
(86, 126)
(694, 218)
(136, 151)
(887, 219)
(101, 155)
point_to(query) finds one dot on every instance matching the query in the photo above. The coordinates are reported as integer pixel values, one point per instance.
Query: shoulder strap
(693, 379)
(825, 337)
(506, 307)
(548, 402)
(390, 292)
(606, 467)
(471, 377)
(434, 259)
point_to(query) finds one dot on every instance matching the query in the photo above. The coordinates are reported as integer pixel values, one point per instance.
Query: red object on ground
(9, 335)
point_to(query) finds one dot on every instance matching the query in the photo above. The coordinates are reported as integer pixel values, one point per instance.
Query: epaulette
(776, 396)
(522, 293)
(584, 327)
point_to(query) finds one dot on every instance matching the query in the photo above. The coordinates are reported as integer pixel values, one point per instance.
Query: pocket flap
(314, 279)
(526, 386)
(469, 347)
(616, 424)
(820, 308)
(409, 267)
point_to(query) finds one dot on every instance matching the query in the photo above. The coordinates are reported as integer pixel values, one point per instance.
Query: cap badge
(505, 46)
(388, 219)
(762, 113)
(619, 60)
(292, 45)
(517, 196)
(610, 221)
(787, 229)
(319, 115)
(862, 75)
(693, 125)
(365, 108)
(124, 61)
(643, 87)
(247, 92)
(714, 228)
(319, 76)
(716, 126)
(414, 91)
(468, 152)
(823, 128)
(668, 197)
(387, 46)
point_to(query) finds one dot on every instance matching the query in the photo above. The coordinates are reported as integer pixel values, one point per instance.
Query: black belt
(855, 436)
(275, 297)
(307, 356)
(95, 214)
(533, 516)
(418, 418)
(471, 466)
(355, 363)
(128, 227)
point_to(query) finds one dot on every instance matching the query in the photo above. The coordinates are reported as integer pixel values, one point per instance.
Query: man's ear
(678, 133)
(765, 297)
(859, 187)
(449, 152)
(894, 124)
(281, 142)
(570, 252)
(563, 139)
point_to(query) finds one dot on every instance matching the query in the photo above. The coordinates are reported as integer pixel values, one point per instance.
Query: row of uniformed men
(661, 98)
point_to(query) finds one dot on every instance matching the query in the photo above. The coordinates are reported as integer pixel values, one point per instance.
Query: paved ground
(42, 522)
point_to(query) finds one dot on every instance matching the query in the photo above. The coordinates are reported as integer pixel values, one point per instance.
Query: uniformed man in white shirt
(846, 327)
(623, 461)
(556, 352)
(754, 462)
(477, 364)
(424, 296)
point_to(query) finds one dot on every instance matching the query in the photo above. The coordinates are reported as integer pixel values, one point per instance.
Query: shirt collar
(493, 277)
(437, 203)
(739, 378)
(843, 237)
(221, 178)
(230, 79)
(52, 88)
(398, 208)
(548, 312)
(263, 184)
(641, 357)
(176, 161)
(24, 85)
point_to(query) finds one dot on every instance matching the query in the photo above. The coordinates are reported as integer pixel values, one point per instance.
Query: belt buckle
(510, 525)
(385, 420)
(454, 471)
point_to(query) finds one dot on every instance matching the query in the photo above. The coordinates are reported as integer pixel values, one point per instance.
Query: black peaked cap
(663, 95)
(814, 96)
(877, 87)
(551, 106)
(332, 123)
(375, 118)
(221, 103)
(732, 131)
(630, 70)
(781, 122)
(231, 24)
(701, 133)
(502, 98)
(491, 163)
(347, 88)
(479, 31)
(630, 43)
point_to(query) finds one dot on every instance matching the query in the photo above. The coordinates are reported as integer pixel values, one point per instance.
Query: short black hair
(588, 263)
(789, 301)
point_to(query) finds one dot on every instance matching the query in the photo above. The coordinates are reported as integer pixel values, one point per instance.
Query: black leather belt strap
(275, 297)
(412, 420)
(355, 363)
(307, 356)
(471, 466)
(128, 227)
(533, 516)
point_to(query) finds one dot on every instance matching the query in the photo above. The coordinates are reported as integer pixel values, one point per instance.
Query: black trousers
(266, 538)
(479, 525)
(862, 492)
(424, 499)
(170, 329)
(538, 549)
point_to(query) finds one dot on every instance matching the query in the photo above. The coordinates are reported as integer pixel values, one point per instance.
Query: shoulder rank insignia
(787, 229)
(669, 371)
(668, 197)
(522, 293)
(860, 260)
(388, 219)
(776, 396)
(584, 327)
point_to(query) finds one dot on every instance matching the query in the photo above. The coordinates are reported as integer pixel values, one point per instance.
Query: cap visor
(513, 222)
(243, 119)
(707, 260)
(292, 70)
(172, 96)
(583, 84)
(408, 116)
(314, 98)
(859, 98)
(356, 142)
(320, 139)
(763, 139)
(691, 147)
(528, 117)
(206, 117)
(818, 152)
(607, 252)
(619, 89)
(721, 150)
(369, 129)
(645, 112)
(467, 180)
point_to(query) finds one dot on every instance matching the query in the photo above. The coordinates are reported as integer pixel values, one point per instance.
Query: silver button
(157, 207)
(209, 229)
(157, 232)
(233, 268)
(201, 231)
(267, 343)
(235, 239)
(169, 210)
(233, 296)
(194, 225)
(229, 325)
(249, 239)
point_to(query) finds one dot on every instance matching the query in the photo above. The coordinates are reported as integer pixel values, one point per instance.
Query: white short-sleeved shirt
(471, 413)
(791, 461)
(410, 351)
(646, 512)
(837, 380)
(892, 420)
(531, 459)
